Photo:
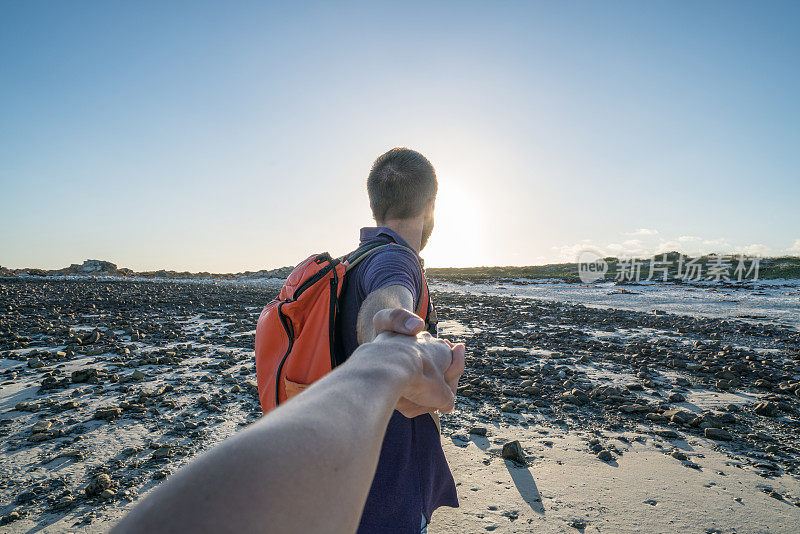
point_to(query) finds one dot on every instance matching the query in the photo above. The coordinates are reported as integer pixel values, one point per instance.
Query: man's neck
(409, 229)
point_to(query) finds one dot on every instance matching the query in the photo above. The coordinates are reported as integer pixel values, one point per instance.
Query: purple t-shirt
(412, 478)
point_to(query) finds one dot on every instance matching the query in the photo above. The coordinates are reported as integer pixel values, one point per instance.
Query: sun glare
(460, 236)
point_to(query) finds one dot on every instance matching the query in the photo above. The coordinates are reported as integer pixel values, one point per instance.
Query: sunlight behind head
(460, 235)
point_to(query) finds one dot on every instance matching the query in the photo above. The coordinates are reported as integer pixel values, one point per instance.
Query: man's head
(402, 185)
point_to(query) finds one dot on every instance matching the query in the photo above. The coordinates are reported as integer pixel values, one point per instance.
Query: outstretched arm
(307, 466)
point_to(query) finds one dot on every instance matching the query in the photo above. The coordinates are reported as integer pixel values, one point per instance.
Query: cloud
(756, 249)
(692, 246)
(642, 231)
(570, 253)
(716, 245)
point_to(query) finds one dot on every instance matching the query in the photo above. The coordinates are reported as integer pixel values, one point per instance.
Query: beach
(630, 416)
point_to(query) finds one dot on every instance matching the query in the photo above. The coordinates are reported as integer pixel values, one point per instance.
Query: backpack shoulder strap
(366, 251)
(362, 253)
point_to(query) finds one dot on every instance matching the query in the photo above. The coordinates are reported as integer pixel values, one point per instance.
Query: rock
(463, 438)
(91, 337)
(108, 494)
(164, 451)
(581, 395)
(109, 413)
(478, 430)
(138, 375)
(42, 426)
(678, 455)
(512, 450)
(666, 433)
(679, 416)
(65, 502)
(35, 363)
(718, 434)
(634, 408)
(677, 397)
(571, 399)
(84, 375)
(39, 437)
(763, 384)
(9, 518)
(25, 497)
(509, 407)
(98, 484)
(767, 409)
(68, 405)
(605, 455)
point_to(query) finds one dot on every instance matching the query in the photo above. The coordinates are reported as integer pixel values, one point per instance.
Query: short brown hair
(400, 184)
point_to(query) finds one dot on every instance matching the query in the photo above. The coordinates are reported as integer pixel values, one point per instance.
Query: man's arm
(385, 298)
(308, 465)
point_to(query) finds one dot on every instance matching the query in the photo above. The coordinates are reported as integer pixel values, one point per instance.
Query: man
(412, 477)
(307, 466)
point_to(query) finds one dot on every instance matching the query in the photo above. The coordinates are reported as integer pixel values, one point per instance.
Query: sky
(233, 136)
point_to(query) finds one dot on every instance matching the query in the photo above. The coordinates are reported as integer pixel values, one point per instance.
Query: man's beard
(427, 230)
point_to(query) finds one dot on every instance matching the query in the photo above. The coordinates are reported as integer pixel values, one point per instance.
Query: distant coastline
(774, 268)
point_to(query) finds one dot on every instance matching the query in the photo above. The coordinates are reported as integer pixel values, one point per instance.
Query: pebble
(666, 433)
(605, 455)
(718, 434)
(767, 409)
(109, 413)
(512, 450)
(84, 375)
(9, 518)
(98, 484)
(165, 451)
(35, 363)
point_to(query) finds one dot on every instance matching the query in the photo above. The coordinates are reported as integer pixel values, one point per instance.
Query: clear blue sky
(225, 136)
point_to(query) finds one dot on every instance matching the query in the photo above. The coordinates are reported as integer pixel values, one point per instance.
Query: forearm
(328, 450)
(387, 298)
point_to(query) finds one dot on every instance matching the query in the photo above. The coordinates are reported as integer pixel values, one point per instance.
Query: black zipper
(287, 324)
(314, 279)
(289, 328)
(332, 319)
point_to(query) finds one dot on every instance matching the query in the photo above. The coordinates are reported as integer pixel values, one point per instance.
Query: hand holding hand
(442, 363)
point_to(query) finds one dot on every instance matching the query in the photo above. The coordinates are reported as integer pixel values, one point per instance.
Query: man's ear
(430, 206)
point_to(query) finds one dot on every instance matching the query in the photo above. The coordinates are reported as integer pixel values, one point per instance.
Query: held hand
(442, 363)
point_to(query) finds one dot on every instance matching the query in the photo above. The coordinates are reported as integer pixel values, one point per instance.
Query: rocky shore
(107, 387)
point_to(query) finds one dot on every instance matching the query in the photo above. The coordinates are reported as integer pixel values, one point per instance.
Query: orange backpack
(295, 332)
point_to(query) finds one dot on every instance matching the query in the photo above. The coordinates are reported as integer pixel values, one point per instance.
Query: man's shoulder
(393, 256)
